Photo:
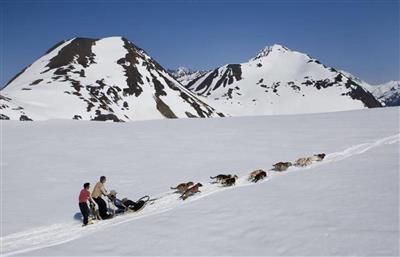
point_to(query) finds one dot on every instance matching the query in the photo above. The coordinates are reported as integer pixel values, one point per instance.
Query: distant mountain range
(185, 75)
(111, 79)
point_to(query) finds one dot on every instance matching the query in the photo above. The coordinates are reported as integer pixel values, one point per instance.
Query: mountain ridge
(113, 79)
(387, 93)
(100, 79)
(184, 75)
(275, 81)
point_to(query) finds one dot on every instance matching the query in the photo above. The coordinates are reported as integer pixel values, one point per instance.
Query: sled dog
(191, 191)
(282, 166)
(319, 157)
(221, 177)
(253, 174)
(304, 161)
(182, 187)
(259, 176)
(229, 181)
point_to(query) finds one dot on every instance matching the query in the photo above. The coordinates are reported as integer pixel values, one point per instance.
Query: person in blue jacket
(125, 204)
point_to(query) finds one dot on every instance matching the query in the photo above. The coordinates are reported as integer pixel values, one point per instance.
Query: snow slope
(98, 79)
(280, 81)
(345, 205)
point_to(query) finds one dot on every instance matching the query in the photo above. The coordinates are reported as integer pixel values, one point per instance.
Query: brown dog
(182, 187)
(259, 176)
(229, 181)
(253, 174)
(191, 191)
(282, 166)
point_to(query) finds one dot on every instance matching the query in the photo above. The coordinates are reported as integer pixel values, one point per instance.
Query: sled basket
(145, 199)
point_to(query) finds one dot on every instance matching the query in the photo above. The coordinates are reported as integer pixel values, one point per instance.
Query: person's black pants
(134, 205)
(85, 212)
(102, 207)
(130, 204)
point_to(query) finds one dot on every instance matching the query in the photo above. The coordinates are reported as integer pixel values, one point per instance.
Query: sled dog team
(186, 190)
(189, 188)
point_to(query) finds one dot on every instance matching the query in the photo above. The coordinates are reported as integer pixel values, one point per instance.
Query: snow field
(40, 238)
(238, 145)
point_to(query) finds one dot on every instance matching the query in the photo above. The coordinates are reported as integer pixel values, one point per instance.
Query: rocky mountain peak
(98, 79)
(268, 49)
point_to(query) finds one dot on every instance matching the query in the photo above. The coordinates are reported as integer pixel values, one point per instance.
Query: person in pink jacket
(84, 197)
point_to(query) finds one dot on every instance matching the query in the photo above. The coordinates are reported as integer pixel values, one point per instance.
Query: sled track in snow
(42, 237)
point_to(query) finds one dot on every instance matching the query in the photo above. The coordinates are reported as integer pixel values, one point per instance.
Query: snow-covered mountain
(356, 79)
(280, 81)
(387, 93)
(98, 79)
(185, 75)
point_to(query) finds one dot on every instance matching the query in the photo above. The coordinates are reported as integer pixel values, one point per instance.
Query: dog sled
(94, 215)
(138, 206)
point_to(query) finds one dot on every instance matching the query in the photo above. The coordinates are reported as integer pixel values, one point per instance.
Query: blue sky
(361, 37)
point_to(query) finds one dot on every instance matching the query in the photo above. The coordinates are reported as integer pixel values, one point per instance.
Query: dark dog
(259, 176)
(191, 191)
(282, 166)
(319, 157)
(229, 181)
(221, 177)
